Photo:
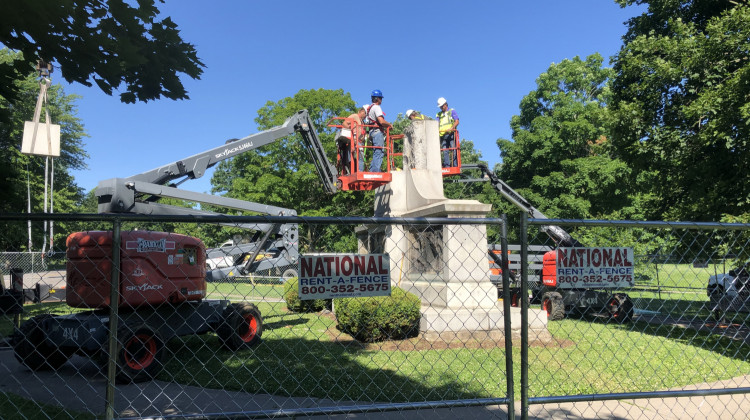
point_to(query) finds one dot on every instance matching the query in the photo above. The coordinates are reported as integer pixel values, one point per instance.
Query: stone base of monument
(479, 324)
(467, 311)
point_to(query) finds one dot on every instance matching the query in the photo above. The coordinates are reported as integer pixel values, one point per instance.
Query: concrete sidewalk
(80, 386)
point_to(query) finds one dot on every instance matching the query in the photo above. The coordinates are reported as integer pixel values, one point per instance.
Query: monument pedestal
(446, 266)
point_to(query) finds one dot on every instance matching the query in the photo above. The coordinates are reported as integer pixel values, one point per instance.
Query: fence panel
(678, 341)
(246, 345)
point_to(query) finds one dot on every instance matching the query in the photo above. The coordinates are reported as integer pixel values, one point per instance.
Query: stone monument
(446, 266)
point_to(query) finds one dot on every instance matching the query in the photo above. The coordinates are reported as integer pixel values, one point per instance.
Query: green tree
(108, 42)
(680, 108)
(560, 158)
(282, 173)
(20, 173)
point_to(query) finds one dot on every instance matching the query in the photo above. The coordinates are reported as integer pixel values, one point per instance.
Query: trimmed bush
(373, 319)
(295, 304)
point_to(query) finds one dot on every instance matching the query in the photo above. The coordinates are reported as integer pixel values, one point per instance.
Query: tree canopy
(561, 158)
(108, 42)
(681, 115)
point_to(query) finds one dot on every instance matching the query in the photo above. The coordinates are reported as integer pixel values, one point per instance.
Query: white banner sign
(344, 275)
(600, 267)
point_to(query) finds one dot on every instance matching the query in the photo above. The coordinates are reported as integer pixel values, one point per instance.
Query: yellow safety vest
(446, 121)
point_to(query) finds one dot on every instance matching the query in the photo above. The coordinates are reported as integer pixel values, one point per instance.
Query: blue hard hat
(377, 93)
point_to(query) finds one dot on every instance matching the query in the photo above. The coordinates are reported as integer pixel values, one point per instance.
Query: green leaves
(680, 106)
(107, 42)
(560, 158)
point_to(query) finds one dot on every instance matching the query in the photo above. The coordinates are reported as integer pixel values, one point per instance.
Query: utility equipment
(555, 300)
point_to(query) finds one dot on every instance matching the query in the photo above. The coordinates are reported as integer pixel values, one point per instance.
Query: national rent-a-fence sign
(594, 267)
(344, 275)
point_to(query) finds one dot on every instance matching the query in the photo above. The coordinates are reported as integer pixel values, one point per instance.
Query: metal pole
(114, 300)
(508, 331)
(16, 283)
(658, 283)
(524, 317)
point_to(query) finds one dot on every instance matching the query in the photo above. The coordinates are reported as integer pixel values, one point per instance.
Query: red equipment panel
(364, 181)
(549, 268)
(155, 268)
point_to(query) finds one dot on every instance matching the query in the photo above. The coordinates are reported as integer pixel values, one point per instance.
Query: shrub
(379, 318)
(295, 304)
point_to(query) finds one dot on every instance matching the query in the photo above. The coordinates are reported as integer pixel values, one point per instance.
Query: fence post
(16, 284)
(508, 325)
(114, 301)
(524, 317)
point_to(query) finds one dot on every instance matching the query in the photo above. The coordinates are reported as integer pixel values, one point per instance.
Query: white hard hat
(365, 107)
(409, 112)
(442, 101)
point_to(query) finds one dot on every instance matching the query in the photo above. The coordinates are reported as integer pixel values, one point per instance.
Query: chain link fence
(459, 335)
(683, 339)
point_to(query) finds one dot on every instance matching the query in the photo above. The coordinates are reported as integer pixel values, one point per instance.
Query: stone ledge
(442, 320)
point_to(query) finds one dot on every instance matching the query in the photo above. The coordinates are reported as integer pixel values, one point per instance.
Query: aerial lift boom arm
(139, 193)
(556, 233)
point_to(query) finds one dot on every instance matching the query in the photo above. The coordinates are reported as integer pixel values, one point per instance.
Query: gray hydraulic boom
(556, 233)
(140, 193)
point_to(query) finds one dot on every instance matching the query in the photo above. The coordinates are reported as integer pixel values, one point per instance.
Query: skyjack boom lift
(162, 292)
(141, 194)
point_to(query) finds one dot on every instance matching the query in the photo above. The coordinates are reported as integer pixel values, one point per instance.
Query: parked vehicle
(732, 283)
(730, 291)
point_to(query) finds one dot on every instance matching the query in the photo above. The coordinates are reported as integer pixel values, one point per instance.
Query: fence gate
(678, 354)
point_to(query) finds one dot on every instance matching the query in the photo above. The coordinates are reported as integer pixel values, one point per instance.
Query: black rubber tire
(31, 348)
(288, 274)
(140, 351)
(242, 326)
(552, 303)
(620, 308)
(715, 294)
(515, 298)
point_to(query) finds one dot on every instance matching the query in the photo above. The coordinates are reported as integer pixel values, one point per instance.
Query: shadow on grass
(340, 370)
(694, 327)
(282, 323)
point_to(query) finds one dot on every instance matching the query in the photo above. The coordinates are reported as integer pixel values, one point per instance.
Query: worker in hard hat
(414, 115)
(448, 121)
(354, 123)
(376, 117)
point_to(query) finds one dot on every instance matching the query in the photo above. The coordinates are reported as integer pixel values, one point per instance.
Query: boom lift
(140, 194)
(555, 300)
(161, 290)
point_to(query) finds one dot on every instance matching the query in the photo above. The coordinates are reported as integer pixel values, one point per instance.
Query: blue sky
(483, 57)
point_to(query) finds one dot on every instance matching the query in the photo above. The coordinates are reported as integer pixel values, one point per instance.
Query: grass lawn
(304, 355)
(13, 407)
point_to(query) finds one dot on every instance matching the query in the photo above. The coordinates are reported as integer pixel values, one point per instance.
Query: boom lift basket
(351, 143)
(452, 170)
